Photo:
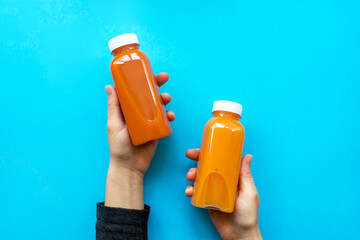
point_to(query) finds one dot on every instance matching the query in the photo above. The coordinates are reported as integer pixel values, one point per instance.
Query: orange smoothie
(219, 162)
(137, 90)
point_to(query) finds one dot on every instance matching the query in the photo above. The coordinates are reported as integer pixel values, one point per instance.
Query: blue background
(293, 65)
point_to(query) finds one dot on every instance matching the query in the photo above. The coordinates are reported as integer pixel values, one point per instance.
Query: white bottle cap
(227, 106)
(122, 40)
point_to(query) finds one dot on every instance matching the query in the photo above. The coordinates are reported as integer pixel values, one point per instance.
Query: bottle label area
(138, 84)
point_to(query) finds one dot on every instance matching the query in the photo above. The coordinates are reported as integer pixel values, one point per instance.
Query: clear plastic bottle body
(219, 162)
(139, 95)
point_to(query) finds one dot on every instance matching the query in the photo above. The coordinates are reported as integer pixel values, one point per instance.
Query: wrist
(124, 187)
(252, 233)
(248, 233)
(122, 173)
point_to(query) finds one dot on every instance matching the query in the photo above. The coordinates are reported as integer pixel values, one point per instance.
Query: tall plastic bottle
(219, 162)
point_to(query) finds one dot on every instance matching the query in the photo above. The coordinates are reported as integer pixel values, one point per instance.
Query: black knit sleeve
(121, 223)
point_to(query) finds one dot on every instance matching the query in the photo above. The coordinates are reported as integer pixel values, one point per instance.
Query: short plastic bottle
(137, 91)
(219, 162)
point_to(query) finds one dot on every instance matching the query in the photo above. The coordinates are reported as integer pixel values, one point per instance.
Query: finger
(166, 98)
(245, 166)
(162, 78)
(170, 115)
(189, 190)
(192, 154)
(191, 175)
(115, 118)
(246, 182)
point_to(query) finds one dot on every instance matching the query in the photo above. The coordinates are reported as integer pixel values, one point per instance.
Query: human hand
(128, 163)
(243, 223)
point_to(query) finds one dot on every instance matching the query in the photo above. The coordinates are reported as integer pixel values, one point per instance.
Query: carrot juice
(137, 91)
(219, 162)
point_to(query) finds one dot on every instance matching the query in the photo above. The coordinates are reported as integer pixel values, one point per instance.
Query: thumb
(246, 179)
(115, 118)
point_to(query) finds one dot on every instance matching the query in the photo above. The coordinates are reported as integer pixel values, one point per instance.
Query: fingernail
(107, 89)
(187, 190)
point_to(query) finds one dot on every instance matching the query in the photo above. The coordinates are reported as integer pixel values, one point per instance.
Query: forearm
(124, 188)
(123, 215)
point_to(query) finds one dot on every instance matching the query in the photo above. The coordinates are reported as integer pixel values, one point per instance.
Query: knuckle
(254, 196)
(257, 198)
(110, 104)
(251, 222)
(111, 126)
(247, 174)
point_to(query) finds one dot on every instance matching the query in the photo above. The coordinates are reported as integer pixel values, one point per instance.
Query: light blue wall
(294, 65)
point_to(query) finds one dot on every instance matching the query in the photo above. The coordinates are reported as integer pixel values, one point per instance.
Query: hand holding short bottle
(128, 163)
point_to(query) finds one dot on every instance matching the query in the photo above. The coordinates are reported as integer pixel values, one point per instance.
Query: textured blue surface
(294, 65)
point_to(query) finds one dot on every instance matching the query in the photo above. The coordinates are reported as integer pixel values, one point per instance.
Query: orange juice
(219, 162)
(137, 90)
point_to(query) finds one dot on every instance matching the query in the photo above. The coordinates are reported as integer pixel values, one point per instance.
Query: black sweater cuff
(121, 223)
